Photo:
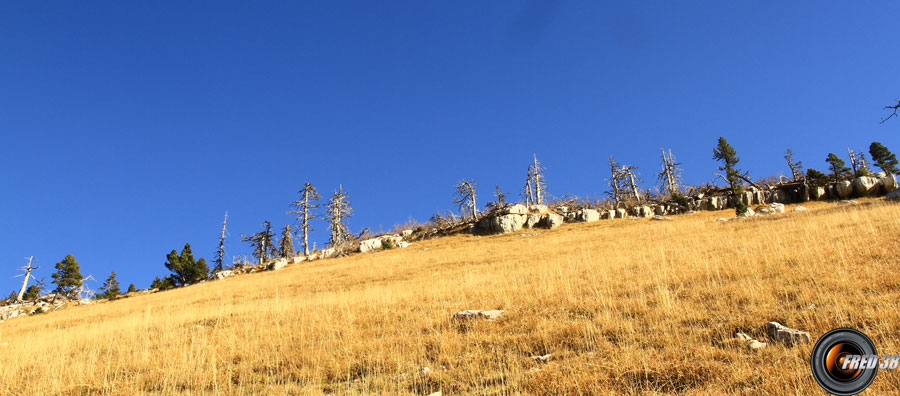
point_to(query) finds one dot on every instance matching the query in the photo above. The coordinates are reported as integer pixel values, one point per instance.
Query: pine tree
(338, 209)
(32, 293)
(286, 245)
(836, 165)
(796, 167)
(110, 288)
(304, 209)
(162, 284)
(884, 158)
(185, 269)
(67, 277)
(816, 178)
(131, 288)
(263, 243)
(728, 156)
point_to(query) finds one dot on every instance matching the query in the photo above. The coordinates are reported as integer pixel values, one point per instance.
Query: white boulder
(278, 264)
(777, 207)
(621, 213)
(406, 233)
(508, 222)
(551, 220)
(478, 314)
(370, 245)
(222, 274)
(587, 215)
(798, 209)
(865, 186)
(518, 209)
(843, 189)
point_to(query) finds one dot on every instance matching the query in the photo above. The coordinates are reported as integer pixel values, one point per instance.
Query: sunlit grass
(624, 306)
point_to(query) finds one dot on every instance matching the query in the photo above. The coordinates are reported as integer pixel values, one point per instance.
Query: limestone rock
(551, 220)
(843, 189)
(508, 222)
(660, 210)
(817, 192)
(847, 202)
(749, 341)
(587, 215)
(660, 218)
(787, 335)
(327, 252)
(798, 209)
(532, 220)
(779, 196)
(542, 358)
(865, 186)
(537, 208)
(277, 264)
(222, 274)
(297, 259)
(516, 209)
(478, 314)
(722, 219)
(893, 195)
(777, 207)
(403, 244)
(621, 213)
(406, 233)
(370, 245)
(748, 213)
(888, 183)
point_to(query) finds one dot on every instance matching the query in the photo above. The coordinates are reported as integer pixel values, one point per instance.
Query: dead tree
(536, 177)
(528, 192)
(615, 182)
(631, 179)
(286, 245)
(465, 198)
(894, 113)
(857, 161)
(83, 292)
(303, 208)
(262, 243)
(220, 253)
(28, 268)
(796, 167)
(501, 197)
(338, 209)
(670, 175)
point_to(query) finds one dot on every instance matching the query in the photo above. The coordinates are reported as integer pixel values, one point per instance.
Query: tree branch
(894, 113)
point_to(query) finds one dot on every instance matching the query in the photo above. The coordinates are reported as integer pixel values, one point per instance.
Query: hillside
(624, 307)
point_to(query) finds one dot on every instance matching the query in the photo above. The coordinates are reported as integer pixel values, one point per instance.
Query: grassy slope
(625, 306)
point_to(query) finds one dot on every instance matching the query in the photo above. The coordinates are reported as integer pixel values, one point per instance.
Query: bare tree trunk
(27, 269)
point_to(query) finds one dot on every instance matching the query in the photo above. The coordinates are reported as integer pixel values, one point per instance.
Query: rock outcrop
(865, 186)
(786, 335)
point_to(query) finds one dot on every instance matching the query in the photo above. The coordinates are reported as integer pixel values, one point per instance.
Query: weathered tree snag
(28, 268)
(308, 201)
(465, 198)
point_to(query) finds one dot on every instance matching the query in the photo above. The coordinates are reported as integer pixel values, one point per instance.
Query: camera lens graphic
(834, 361)
(829, 355)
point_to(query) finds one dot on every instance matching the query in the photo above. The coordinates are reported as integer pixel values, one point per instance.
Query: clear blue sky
(129, 128)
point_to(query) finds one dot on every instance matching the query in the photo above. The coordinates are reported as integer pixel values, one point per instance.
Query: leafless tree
(220, 253)
(631, 179)
(465, 198)
(670, 175)
(536, 177)
(893, 113)
(857, 161)
(501, 197)
(28, 268)
(615, 182)
(286, 244)
(338, 209)
(262, 243)
(528, 192)
(796, 167)
(304, 208)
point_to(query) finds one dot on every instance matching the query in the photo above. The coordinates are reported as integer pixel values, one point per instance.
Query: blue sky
(129, 128)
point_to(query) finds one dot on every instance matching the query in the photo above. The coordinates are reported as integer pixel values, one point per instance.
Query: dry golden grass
(624, 306)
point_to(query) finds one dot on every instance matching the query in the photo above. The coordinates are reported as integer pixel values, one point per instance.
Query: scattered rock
(621, 213)
(748, 213)
(507, 223)
(277, 264)
(750, 342)
(327, 252)
(403, 244)
(542, 358)
(893, 195)
(532, 220)
(518, 209)
(476, 314)
(722, 219)
(843, 189)
(85, 301)
(660, 210)
(222, 274)
(537, 208)
(865, 185)
(551, 220)
(438, 393)
(370, 245)
(764, 210)
(660, 218)
(817, 192)
(846, 202)
(587, 215)
(787, 335)
(798, 209)
(406, 233)
(298, 259)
